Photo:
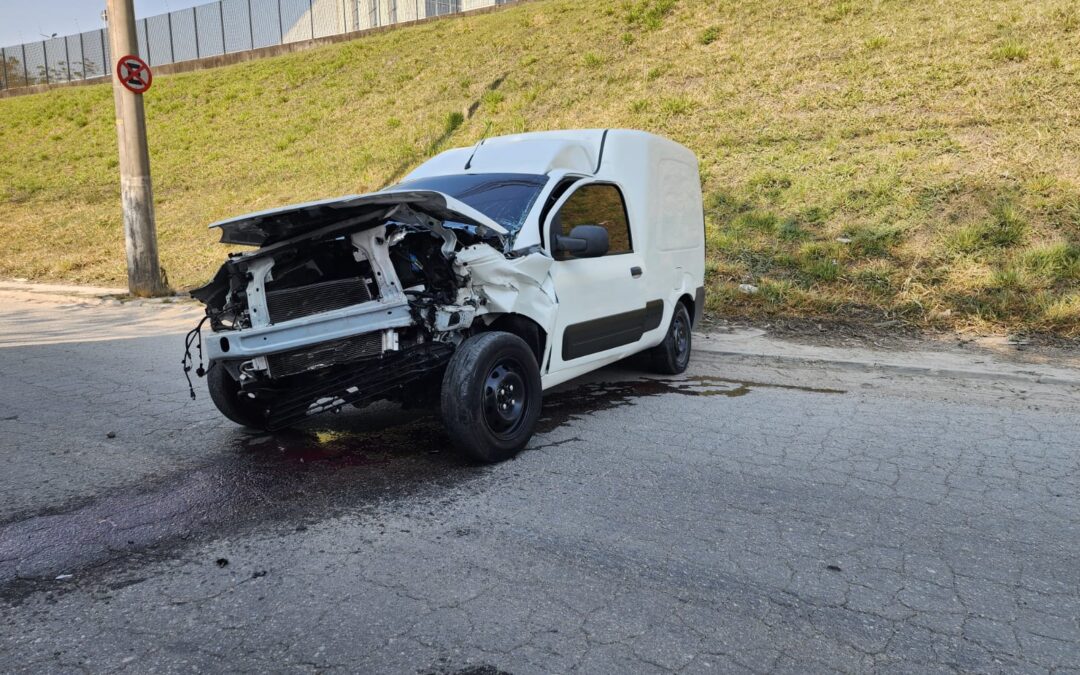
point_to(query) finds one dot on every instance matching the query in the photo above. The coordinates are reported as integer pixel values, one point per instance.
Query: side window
(598, 205)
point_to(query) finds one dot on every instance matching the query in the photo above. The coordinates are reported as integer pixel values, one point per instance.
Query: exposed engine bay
(363, 304)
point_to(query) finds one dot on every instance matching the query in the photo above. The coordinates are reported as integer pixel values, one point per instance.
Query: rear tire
(671, 356)
(225, 393)
(491, 396)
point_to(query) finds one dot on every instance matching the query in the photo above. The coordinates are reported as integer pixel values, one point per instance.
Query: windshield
(504, 197)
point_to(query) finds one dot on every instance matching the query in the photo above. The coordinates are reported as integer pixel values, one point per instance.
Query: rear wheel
(226, 395)
(671, 356)
(491, 396)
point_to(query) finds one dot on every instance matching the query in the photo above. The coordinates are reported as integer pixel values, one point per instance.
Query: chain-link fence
(211, 30)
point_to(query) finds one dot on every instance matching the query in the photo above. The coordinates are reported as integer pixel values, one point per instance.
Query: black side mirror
(584, 241)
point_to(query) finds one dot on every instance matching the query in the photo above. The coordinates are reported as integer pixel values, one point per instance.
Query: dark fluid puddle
(595, 397)
(346, 464)
(353, 463)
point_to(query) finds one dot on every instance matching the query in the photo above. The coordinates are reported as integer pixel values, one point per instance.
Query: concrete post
(136, 195)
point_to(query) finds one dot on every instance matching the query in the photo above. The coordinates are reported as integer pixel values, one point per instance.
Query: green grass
(1011, 50)
(893, 160)
(709, 35)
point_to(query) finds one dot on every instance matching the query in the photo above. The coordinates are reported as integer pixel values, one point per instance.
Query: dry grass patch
(912, 160)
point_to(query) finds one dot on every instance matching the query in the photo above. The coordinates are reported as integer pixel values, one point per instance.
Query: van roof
(541, 152)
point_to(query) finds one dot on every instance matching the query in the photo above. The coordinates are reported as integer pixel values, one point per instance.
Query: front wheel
(226, 395)
(491, 396)
(671, 356)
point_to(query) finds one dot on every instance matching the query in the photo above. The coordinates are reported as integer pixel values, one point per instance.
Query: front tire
(671, 356)
(491, 396)
(225, 393)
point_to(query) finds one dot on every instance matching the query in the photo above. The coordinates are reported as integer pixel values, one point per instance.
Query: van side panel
(663, 189)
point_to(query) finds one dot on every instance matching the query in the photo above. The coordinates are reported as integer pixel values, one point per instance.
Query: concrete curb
(883, 366)
(70, 294)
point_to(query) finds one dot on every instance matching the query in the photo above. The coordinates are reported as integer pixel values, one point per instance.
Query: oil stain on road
(346, 464)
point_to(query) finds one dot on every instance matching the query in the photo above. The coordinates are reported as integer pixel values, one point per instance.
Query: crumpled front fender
(509, 286)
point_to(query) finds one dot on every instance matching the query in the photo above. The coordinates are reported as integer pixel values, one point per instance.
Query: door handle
(635, 272)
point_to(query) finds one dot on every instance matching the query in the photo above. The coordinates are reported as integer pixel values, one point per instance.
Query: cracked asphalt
(752, 516)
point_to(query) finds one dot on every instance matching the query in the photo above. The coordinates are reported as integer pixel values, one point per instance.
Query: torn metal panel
(508, 285)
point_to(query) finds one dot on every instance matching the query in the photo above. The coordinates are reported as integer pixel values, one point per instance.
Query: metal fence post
(106, 57)
(172, 47)
(195, 21)
(221, 18)
(25, 68)
(251, 28)
(280, 28)
(82, 57)
(45, 52)
(146, 40)
(67, 58)
(3, 73)
(311, 16)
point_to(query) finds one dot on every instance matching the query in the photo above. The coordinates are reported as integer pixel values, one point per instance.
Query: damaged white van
(488, 275)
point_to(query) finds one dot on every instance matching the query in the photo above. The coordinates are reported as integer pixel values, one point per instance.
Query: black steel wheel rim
(505, 398)
(681, 334)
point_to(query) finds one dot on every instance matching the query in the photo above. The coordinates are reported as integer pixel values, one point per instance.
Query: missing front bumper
(288, 336)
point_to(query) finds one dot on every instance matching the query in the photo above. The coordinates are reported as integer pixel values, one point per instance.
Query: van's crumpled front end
(360, 298)
(487, 276)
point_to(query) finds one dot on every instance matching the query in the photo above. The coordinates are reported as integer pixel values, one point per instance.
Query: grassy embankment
(873, 159)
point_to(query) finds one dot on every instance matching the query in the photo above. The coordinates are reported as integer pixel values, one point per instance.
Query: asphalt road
(759, 515)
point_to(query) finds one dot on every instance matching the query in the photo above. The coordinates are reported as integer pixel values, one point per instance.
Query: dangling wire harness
(194, 337)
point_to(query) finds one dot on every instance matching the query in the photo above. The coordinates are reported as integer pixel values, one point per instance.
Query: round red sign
(134, 73)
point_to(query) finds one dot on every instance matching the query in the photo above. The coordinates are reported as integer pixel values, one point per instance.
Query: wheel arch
(688, 300)
(525, 328)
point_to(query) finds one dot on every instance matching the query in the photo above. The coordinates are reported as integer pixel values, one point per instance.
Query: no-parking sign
(134, 73)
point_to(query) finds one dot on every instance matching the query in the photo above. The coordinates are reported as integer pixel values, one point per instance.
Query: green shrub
(1010, 50)
(709, 35)
(820, 261)
(648, 13)
(791, 231)
(453, 121)
(491, 100)
(677, 105)
(1004, 229)
(756, 220)
(875, 241)
(839, 10)
(593, 60)
(1053, 263)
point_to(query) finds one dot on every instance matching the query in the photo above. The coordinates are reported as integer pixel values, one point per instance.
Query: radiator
(293, 303)
(326, 354)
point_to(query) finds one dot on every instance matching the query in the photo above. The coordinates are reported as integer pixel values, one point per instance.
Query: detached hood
(267, 227)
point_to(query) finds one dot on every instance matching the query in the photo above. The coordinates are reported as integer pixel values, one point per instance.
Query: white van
(487, 275)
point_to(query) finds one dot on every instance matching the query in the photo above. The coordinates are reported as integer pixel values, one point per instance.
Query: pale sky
(26, 20)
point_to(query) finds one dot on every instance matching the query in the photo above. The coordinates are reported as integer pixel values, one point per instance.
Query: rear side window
(601, 205)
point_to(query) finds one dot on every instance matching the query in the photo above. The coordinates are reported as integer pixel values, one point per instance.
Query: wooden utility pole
(136, 195)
